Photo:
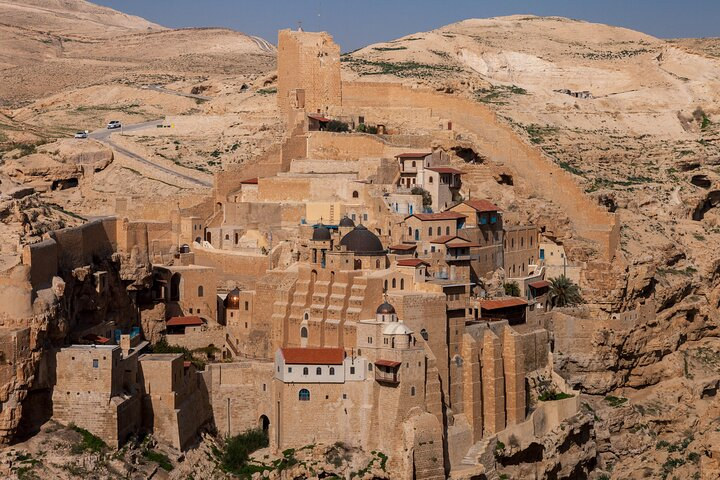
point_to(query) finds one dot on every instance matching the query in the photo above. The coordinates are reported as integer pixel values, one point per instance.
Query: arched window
(394, 284)
(303, 332)
(306, 371)
(531, 240)
(430, 180)
(522, 241)
(402, 284)
(412, 391)
(430, 232)
(332, 370)
(227, 237)
(410, 231)
(304, 395)
(369, 367)
(318, 371)
(237, 238)
(306, 316)
(424, 334)
(417, 234)
(439, 231)
(355, 194)
(386, 285)
(377, 263)
(200, 291)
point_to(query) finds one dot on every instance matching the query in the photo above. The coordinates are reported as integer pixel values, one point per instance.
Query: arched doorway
(264, 423)
(175, 287)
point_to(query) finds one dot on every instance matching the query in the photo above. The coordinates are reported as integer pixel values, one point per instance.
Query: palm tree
(563, 292)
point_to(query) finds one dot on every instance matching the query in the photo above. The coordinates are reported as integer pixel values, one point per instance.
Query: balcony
(387, 372)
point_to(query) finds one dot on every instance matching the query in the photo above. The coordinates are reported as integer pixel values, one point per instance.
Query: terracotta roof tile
(481, 205)
(250, 181)
(313, 356)
(411, 262)
(463, 245)
(413, 155)
(319, 118)
(403, 246)
(430, 217)
(502, 303)
(191, 321)
(445, 239)
(388, 363)
(539, 284)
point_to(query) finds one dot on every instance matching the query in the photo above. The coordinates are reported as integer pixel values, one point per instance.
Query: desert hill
(72, 43)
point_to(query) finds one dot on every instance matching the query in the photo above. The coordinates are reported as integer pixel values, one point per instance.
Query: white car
(81, 135)
(114, 124)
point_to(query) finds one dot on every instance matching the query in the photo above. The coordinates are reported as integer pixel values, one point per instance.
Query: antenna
(299, 24)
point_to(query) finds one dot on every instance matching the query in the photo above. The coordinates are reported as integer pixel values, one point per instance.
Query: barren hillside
(635, 120)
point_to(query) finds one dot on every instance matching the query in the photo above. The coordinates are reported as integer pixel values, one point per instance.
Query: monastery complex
(342, 287)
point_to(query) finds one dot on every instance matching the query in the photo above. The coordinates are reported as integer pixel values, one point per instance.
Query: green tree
(337, 126)
(512, 289)
(563, 292)
(427, 198)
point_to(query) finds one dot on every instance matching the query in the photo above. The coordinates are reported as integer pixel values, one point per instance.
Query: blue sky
(361, 22)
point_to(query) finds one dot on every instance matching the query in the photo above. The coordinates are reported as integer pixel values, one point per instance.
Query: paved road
(103, 135)
(263, 44)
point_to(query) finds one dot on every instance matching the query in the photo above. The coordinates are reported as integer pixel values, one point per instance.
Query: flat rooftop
(91, 347)
(159, 357)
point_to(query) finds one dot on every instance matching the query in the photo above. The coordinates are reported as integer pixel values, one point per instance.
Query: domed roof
(233, 299)
(346, 222)
(397, 328)
(385, 308)
(362, 241)
(321, 233)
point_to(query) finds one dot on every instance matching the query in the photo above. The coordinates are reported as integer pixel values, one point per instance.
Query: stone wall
(590, 220)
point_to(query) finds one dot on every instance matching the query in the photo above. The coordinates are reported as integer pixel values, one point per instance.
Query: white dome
(397, 328)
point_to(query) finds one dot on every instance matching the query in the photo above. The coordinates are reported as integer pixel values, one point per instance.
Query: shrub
(336, 126)
(161, 459)
(238, 449)
(89, 441)
(512, 289)
(615, 401)
(551, 395)
(427, 198)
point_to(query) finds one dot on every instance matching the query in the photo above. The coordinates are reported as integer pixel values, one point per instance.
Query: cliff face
(76, 300)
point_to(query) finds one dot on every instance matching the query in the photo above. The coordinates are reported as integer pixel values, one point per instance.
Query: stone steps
(483, 453)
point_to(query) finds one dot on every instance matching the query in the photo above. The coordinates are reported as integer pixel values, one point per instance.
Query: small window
(344, 396)
(402, 284)
(394, 283)
(370, 340)
(95, 363)
(424, 334)
(289, 369)
(439, 231)
(369, 367)
(365, 217)
(352, 370)
(304, 395)
(246, 325)
(412, 391)
(201, 291)
(303, 332)
(332, 371)
(247, 305)
(306, 371)
(355, 194)
(264, 387)
(430, 180)
(227, 237)
(278, 368)
(447, 230)
(413, 163)
(430, 232)
(191, 310)
(318, 371)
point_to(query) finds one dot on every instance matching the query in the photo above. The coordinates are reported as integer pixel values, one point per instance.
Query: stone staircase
(483, 453)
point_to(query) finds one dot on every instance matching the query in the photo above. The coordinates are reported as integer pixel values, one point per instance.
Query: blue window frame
(304, 395)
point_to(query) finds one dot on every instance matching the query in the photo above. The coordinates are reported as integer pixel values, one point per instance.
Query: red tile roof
(539, 284)
(445, 239)
(403, 246)
(502, 303)
(430, 217)
(185, 322)
(313, 356)
(319, 118)
(447, 170)
(481, 205)
(388, 363)
(413, 155)
(96, 338)
(411, 262)
(250, 181)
